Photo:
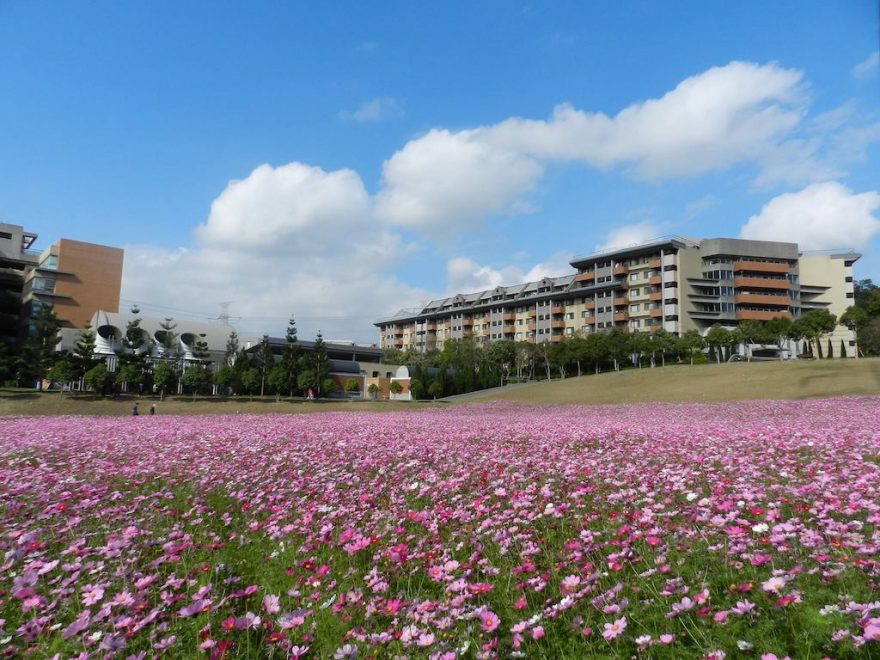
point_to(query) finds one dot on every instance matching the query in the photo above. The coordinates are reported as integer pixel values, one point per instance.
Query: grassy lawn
(737, 381)
(725, 382)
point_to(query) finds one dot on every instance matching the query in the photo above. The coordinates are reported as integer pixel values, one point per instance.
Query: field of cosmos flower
(494, 530)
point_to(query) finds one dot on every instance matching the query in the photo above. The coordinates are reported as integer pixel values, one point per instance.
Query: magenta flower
(613, 630)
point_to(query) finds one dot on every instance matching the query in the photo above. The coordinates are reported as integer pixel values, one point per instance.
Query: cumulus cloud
(444, 181)
(293, 239)
(289, 207)
(821, 216)
(465, 275)
(867, 67)
(632, 234)
(374, 110)
(710, 121)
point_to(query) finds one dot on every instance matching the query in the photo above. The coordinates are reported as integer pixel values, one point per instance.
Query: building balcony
(655, 280)
(557, 325)
(533, 313)
(509, 330)
(617, 302)
(654, 264)
(760, 314)
(759, 299)
(557, 309)
(781, 284)
(531, 325)
(589, 304)
(585, 277)
(655, 296)
(656, 313)
(431, 327)
(621, 316)
(508, 316)
(620, 269)
(759, 266)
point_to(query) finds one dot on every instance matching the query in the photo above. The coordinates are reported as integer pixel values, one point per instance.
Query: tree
(691, 342)
(277, 380)
(132, 368)
(373, 390)
(352, 385)
(97, 378)
(251, 380)
(63, 371)
(38, 353)
(749, 332)
(290, 358)
(84, 351)
(856, 319)
(435, 389)
(320, 365)
(164, 377)
(717, 337)
(170, 345)
(664, 342)
(328, 387)
(416, 388)
(265, 360)
(815, 324)
(197, 378)
(395, 387)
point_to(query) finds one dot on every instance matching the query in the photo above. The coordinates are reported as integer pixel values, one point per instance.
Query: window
(635, 323)
(634, 308)
(570, 315)
(569, 331)
(519, 335)
(633, 277)
(635, 293)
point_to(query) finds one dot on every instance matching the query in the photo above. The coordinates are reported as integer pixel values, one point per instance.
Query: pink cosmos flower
(271, 604)
(612, 630)
(537, 633)
(489, 621)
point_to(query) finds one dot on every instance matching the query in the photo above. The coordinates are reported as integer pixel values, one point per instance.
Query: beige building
(673, 283)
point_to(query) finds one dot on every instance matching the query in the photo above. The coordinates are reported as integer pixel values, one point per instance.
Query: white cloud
(465, 275)
(867, 67)
(710, 121)
(821, 216)
(628, 235)
(293, 239)
(444, 181)
(375, 110)
(289, 207)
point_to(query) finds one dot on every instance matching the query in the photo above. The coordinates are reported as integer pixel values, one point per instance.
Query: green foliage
(395, 387)
(63, 371)
(84, 351)
(197, 379)
(373, 390)
(164, 377)
(352, 385)
(97, 378)
(291, 357)
(38, 353)
(251, 380)
(328, 386)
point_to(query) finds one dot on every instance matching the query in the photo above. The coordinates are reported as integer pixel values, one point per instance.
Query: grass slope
(736, 381)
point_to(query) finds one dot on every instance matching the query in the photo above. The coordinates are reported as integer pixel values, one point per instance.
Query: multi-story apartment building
(15, 258)
(673, 283)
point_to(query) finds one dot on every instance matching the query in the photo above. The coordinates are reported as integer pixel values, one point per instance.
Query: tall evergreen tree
(290, 358)
(84, 351)
(38, 353)
(320, 364)
(265, 361)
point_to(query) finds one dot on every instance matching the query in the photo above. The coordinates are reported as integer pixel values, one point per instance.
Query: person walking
(134, 410)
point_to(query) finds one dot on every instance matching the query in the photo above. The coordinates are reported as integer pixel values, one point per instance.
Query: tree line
(464, 365)
(143, 367)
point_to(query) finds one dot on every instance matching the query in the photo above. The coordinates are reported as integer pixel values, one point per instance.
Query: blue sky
(341, 161)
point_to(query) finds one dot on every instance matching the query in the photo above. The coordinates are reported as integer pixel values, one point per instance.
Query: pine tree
(84, 351)
(320, 365)
(38, 353)
(290, 358)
